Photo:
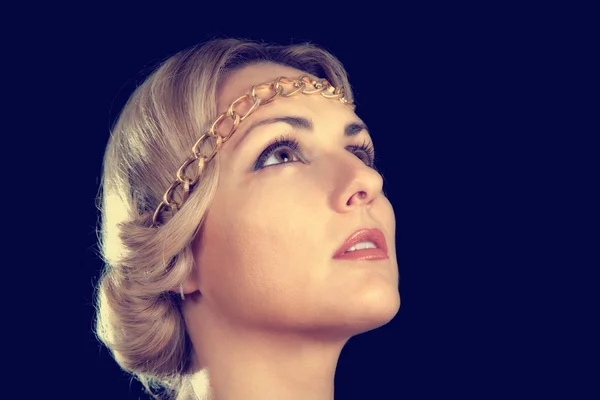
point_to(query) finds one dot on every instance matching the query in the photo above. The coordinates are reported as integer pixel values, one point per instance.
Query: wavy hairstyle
(138, 316)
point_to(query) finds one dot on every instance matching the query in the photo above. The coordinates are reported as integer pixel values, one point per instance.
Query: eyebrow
(351, 129)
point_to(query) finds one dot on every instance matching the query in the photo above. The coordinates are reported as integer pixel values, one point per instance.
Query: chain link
(300, 85)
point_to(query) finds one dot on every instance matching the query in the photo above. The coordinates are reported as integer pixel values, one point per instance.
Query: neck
(235, 364)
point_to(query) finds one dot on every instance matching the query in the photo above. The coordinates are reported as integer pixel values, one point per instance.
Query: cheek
(256, 254)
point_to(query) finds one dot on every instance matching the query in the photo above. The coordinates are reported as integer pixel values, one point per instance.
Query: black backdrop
(453, 96)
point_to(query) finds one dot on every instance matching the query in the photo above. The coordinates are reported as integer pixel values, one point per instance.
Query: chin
(376, 311)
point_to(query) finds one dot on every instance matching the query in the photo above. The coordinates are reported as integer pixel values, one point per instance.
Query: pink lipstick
(374, 235)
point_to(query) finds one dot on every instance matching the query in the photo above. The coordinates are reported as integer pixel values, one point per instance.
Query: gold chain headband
(299, 85)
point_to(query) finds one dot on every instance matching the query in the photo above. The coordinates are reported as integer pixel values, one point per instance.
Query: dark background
(468, 111)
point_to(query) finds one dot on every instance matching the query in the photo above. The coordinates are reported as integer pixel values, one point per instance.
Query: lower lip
(364, 254)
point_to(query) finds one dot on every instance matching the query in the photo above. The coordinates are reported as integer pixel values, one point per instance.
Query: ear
(189, 285)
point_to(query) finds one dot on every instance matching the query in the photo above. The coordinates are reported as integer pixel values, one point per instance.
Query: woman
(230, 275)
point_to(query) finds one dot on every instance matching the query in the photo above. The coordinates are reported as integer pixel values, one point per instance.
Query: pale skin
(268, 310)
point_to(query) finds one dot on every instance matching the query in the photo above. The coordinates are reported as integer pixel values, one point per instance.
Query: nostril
(360, 196)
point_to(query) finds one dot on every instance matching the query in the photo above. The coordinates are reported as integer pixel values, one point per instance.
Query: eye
(285, 148)
(367, 149)
(282, 148)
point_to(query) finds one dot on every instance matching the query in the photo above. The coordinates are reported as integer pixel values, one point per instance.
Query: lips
(363, 235)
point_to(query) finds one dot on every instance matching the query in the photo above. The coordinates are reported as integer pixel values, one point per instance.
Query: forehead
(326, 114)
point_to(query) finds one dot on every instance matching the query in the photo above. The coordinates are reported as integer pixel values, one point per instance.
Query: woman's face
(264, 255)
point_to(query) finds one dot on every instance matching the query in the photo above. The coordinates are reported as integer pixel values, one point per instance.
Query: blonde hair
(138, 316)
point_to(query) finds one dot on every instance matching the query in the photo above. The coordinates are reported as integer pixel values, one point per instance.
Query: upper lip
(364, 235)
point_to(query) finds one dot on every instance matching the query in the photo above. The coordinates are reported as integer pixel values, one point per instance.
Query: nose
(355, 183)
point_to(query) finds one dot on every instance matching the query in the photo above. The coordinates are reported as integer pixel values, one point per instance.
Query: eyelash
(292, 143)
